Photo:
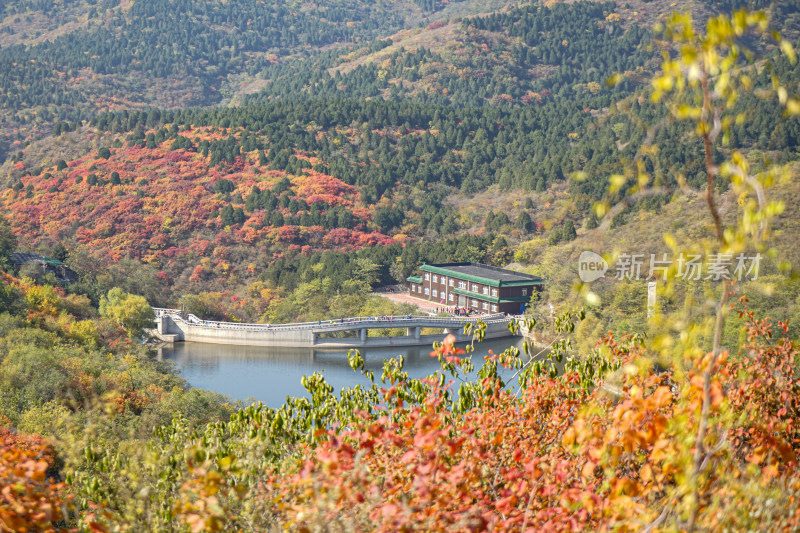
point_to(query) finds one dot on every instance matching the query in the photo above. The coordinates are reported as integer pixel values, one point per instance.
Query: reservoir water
(271, 374)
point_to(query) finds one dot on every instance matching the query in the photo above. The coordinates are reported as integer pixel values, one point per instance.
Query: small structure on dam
(172, 326)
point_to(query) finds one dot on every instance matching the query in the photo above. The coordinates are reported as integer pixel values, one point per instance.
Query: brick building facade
(476, 287)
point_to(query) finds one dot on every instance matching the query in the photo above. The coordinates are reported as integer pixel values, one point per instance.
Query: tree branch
(710, 169)
(719, 322)
(657, 522)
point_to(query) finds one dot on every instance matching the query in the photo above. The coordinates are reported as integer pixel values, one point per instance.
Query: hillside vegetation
(217, 199)
(68, 60)
(374, 138)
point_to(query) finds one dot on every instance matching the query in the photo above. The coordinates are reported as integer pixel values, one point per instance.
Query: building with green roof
(475, 287)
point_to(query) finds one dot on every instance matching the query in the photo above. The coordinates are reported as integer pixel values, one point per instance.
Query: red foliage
(770, 397)
(318, 187)
(162, 208)
(29, 499)
(558, 458)
(289, 234)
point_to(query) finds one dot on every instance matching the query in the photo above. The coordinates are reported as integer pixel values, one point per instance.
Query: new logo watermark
(717, 267)
(591, 266)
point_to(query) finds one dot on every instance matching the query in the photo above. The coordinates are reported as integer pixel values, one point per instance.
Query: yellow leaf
(782, 95)
(588, 469)
(662, 396)
(579, 176)
(592, 298)
(616, 182)
(788, 50)
(646, 474)
(793, 106)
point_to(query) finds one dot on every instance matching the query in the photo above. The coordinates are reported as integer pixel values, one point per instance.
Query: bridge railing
(164, 311)
(354, 322)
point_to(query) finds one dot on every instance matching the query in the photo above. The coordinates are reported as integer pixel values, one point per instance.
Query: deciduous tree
(130, 311)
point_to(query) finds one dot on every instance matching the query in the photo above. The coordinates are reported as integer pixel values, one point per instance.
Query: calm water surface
(271, 374)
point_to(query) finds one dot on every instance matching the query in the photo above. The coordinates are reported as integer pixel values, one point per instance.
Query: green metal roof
(414, 279)
(471, 294)
(441, 270)
(493, 299)
(23, 257)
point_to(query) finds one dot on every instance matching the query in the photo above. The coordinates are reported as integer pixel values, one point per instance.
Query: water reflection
(271, 374)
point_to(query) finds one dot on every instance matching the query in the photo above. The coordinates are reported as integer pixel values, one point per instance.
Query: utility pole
(651, 298)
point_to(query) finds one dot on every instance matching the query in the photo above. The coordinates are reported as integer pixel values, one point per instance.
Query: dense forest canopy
(186, 50)
(325, 159)
(265, 161)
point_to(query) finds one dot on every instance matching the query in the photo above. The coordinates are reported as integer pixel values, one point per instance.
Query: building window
(486, 291)
(451, 282)
(427, 291)
(494, 308)
(462, 285)
(435, 278)
(413, 288)
(474, 288)
(451, 297)
(475, 304)
(427, 276)
(494, 292)
(485, 306)
(435, 293)
(524, 292)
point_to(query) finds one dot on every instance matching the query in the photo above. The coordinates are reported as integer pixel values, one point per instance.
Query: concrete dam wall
(171, 326)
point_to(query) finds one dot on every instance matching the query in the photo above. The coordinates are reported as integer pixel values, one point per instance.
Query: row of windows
(427, 291)
(484, 305)
(463, 285)
(435, 279)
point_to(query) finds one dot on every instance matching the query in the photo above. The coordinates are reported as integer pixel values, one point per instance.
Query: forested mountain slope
(491, 139)
(67, 60)
(63, 62)
(519, 56)
(360, 148)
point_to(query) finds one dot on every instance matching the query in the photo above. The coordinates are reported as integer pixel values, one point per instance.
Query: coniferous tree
(524, 221)
(568, 233)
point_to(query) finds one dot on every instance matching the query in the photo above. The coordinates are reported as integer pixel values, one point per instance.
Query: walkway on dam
(172, 326)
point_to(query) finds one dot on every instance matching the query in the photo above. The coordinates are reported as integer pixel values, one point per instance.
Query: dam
(172, 326)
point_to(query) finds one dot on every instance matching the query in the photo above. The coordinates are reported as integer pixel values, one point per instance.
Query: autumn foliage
(29, 498)
(599, 447)
(549, 455)
(557, 458)
(162, 206)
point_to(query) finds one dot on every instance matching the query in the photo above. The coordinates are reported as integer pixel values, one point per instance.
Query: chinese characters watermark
(688, 267)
